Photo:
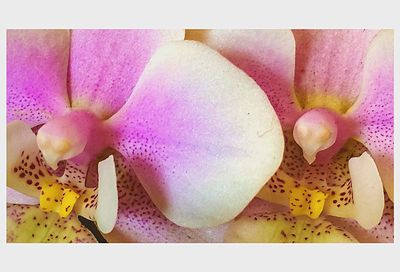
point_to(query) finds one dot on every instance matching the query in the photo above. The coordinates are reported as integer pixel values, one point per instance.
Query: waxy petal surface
(329, 65)
(107, 202)
(265, 55)
(374, 108)
(201, 135)
(106, 64)
(37, 62)
(29, 224)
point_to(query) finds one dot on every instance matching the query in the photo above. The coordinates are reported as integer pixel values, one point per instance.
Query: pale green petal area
(29, 224)
(282, 227)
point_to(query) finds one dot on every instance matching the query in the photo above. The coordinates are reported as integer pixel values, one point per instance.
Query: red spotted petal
(375, 106)
(37, 62)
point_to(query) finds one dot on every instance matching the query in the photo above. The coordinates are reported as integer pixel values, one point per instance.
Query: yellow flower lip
(303, 201)
(57, 198)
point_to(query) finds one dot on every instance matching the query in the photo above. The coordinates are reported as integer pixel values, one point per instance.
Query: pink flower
(333, 93)
(114, 107)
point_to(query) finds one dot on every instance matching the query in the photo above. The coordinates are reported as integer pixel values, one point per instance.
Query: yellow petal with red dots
(303, 201)
(57, 198)
(30, 224)
(285, 228)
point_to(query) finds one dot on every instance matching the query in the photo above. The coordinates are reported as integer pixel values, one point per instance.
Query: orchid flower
(333, 93)
(94, 115)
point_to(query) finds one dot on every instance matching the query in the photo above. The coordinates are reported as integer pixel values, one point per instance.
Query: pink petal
(37, 63)
(201, 135)
(265, 55)
(139, 220)
(329, 65)
(374, 108)
(106, 64)
(15, 197)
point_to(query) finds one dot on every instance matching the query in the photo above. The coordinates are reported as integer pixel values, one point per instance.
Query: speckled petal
(201, 135)
(265, 55)
(37, 62)
(374, 107)
(106, 64)
(25, 167)
(382, 233)
(282, 227)
(333, 178)
(26, 170)
(139, 220)
(329, 65)
(29, 224)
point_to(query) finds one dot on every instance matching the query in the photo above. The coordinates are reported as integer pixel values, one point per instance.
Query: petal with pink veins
(265, 55)
(201, 135)
(106, 64)
(329, 65)
(37, 62)
(374, 107)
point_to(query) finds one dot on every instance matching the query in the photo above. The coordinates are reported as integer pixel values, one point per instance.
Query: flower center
(78, 135)
(57, 198)
(314, 131)
(303, 201)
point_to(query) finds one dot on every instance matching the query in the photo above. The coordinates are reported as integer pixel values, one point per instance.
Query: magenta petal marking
(37, 62)
(374, 108)
(106, 64)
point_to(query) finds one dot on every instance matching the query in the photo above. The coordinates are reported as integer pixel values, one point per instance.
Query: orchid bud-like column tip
(314, 131)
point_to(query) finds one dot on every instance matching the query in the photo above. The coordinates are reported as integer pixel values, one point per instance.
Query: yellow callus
(303, 201)
(57, 198)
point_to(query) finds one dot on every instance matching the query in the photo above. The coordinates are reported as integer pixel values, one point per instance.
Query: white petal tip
(107, 203)
(368, 194)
